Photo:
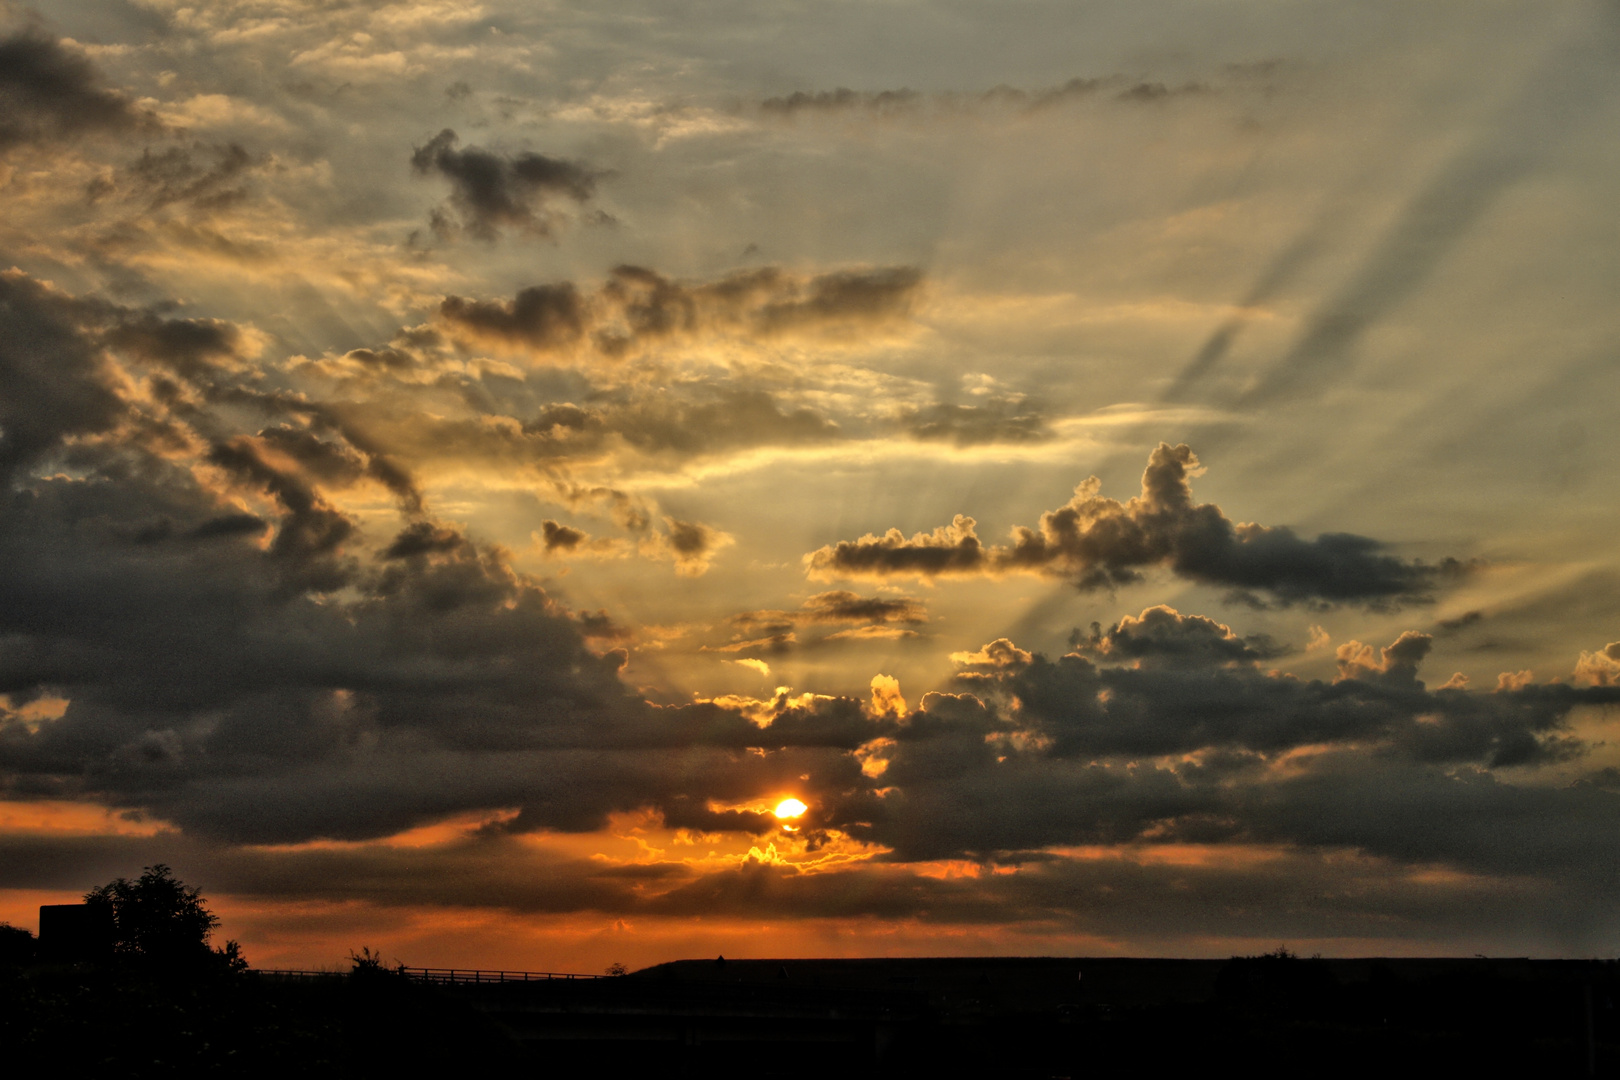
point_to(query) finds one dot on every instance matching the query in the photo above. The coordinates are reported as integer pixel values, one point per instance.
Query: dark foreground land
(1268, 1016)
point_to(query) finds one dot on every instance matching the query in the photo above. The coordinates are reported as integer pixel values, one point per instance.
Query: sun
(790, 808)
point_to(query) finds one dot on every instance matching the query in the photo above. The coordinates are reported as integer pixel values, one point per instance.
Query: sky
(1140, 475)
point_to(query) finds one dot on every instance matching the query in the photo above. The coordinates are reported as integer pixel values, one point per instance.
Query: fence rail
(438, 975)
(476, 975)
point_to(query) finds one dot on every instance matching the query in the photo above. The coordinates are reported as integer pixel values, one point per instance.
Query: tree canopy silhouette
(158, 918)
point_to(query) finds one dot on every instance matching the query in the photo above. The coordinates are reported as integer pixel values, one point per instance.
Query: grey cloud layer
(1098, 542)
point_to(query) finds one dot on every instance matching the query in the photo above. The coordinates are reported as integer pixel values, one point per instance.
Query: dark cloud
(901, 102)
(842, 606)
(492, 191)
(541, 316)
(1162, 636)
(560, 537)
(637, 308)
(48, 93)
(272, 675)
(1168, 730)
(227, 525)
(691, 544)
(862, 618)
(213, 671)
(430, 681)
(424, 538)
(53, 381)
(1098, 542)
(191, 348)
(839, 100)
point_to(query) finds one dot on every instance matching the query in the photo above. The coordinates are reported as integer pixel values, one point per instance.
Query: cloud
(975, 425)
(904, 102)
(690, 544)
(490, 191)
(1162, 636)
(54, 383)
(203, 176)
(1600, 668)
(840, 100)
(637, 308)
(239, 656)
(865, 619)
(49, 94)
(1167, 730)
(841, 606)
(1098, 542)
(541, 316)
(560, 537)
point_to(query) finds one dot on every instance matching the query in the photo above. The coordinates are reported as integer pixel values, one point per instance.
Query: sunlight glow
(790, 808)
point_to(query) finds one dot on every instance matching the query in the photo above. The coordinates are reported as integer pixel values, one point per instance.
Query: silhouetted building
(75, 933)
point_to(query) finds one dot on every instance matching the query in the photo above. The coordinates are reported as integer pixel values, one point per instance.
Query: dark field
(1273, 1015)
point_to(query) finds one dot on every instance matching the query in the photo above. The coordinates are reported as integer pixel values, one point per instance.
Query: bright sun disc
(790, 808)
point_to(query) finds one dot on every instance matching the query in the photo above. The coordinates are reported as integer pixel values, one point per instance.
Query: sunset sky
(1141, 474)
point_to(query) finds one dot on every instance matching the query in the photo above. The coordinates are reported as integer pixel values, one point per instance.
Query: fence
(436, 975)
(474, 975)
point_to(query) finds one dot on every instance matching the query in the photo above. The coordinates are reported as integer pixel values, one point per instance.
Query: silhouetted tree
(157, 918)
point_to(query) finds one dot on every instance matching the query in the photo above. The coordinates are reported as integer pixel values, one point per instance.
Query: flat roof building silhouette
(75, 933)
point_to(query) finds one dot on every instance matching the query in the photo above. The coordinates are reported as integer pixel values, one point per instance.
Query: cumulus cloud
(48, 93)
(1098, 542)
(1163, 636)
(1600, 668)
(490, 191)
(1166, 728)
